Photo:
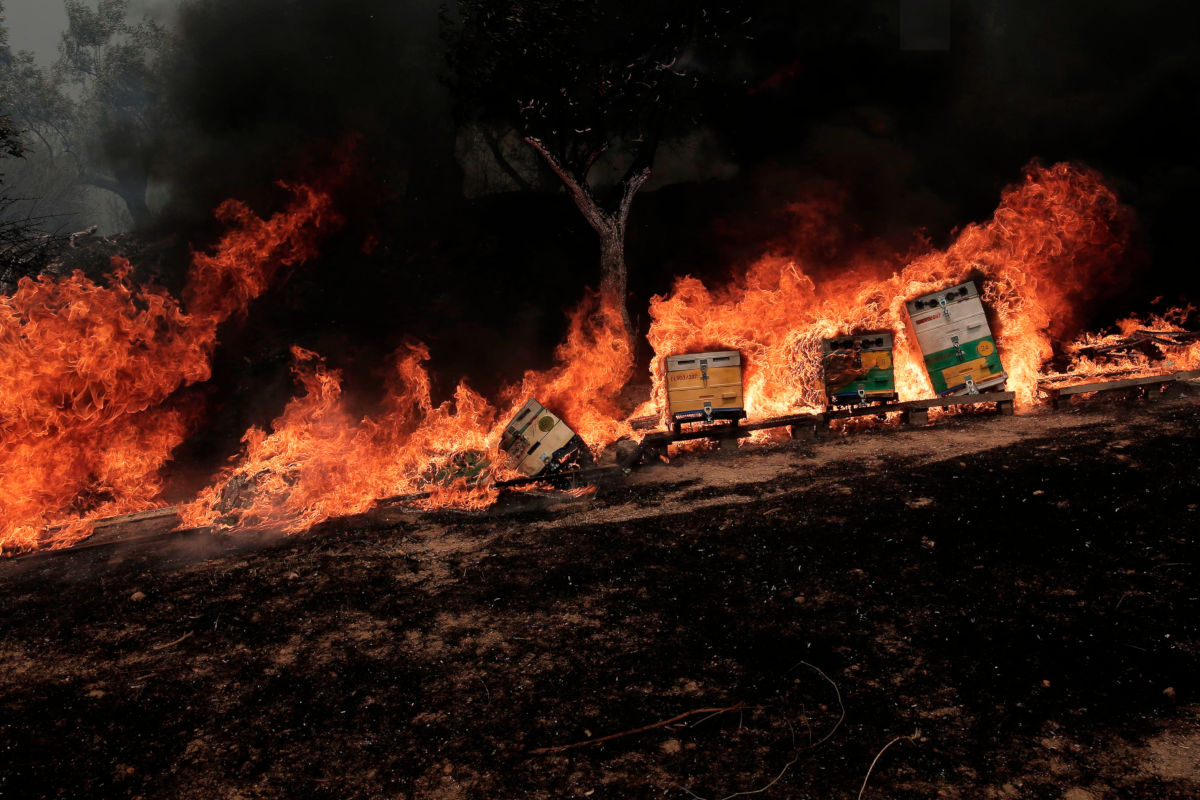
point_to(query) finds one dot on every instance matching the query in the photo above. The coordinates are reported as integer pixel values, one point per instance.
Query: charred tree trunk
(610, 225)
(131, 188)
(614, 275)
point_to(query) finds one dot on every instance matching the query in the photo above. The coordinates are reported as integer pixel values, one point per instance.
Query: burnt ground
(1016, 596)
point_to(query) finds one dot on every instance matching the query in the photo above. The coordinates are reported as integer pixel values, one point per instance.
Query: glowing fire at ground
(96, 417)
(319, 462)
(1132, 362)
(85, 369)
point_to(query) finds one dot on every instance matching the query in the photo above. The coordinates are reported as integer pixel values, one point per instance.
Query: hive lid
(716, 358)
(929, 302)
(875, 340)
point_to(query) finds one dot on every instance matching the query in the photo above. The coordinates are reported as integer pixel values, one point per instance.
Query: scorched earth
(1009, 602)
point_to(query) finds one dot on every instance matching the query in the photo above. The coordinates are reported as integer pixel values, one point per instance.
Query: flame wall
(86, 367)
(1052, 246)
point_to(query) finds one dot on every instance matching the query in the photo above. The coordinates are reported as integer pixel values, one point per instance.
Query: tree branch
(596, 216)
(505, 165)
(632, 186)
(591, 159)
(644, 159)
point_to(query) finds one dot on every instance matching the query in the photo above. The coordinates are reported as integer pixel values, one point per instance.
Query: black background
(908, 116)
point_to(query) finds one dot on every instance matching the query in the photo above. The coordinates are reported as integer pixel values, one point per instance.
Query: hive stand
(916, 412)
(655, 444)
(1170, 385)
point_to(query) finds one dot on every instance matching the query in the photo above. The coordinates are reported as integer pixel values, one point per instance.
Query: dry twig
(643, 729)
(838, 692)
(911, 737)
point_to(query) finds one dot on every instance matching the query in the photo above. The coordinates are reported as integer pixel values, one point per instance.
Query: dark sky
(913, 114)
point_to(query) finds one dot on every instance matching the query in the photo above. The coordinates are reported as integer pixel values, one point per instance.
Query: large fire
(86, 368)
(319, 461)
(1052, 246)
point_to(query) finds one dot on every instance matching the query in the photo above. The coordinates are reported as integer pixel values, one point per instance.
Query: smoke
(259, 82)
(823, 131)
(922, 140)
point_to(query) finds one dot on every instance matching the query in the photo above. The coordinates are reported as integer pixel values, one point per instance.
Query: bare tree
(98, 113)
(592, 88)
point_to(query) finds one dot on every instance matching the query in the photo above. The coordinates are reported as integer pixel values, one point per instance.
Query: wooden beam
(958, 400)
(916, 412)
(1125, 383)
(140, 516)
(718, 432)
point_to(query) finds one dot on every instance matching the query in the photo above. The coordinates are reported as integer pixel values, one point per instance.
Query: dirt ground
(990, 608)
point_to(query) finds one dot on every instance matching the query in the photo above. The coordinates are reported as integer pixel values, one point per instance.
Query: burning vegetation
(90, 369)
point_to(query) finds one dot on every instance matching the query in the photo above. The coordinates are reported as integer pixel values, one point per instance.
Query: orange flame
(1083, 369)
(85, 369)
(83, 384)
(1052, 245)
(319, 462)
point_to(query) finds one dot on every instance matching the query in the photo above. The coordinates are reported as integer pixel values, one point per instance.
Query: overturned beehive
(955, 339)
(539, 443)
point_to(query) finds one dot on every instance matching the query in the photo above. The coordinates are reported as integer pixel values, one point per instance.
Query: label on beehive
(699, 379)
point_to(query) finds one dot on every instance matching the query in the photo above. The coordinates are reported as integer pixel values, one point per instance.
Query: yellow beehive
(702, 387)
(538, 441)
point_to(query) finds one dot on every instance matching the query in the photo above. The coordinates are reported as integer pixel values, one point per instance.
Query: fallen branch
(643, 729)
(912, 737)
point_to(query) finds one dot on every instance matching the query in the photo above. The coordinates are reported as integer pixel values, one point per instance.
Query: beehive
(702, 387)
(858, 369)
(537, 441)
(953, 333)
